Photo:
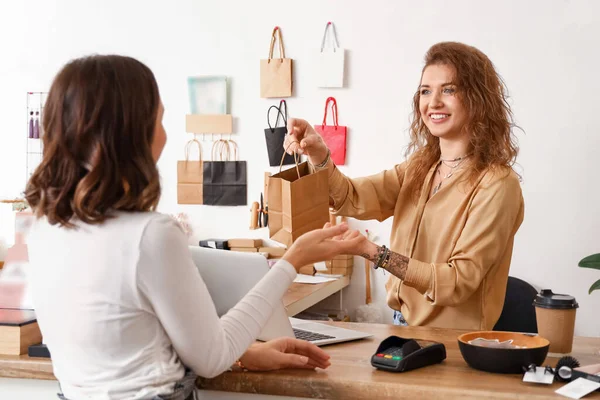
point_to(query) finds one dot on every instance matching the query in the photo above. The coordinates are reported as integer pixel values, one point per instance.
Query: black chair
(518, 313)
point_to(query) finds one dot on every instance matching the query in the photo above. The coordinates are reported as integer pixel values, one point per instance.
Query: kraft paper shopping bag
(190, 176)
(298, 202)
(276, 73)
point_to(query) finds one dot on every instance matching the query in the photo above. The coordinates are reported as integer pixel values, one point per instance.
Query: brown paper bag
(298, 202)
(276, 73)
(190, 177)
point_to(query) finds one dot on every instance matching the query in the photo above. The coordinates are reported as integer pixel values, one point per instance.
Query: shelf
(216, 123)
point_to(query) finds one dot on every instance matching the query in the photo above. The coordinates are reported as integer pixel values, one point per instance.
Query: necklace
(457, 161)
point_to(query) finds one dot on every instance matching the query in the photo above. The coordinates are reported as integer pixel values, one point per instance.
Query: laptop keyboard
(310, 336)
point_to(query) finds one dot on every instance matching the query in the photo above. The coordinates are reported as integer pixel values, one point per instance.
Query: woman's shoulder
(501, 177)
(147, 221)
(134, 226)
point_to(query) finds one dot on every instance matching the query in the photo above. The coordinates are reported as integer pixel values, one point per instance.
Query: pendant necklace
(457, 161)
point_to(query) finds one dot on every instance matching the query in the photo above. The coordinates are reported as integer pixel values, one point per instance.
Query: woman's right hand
(322, 244)
(303, 139)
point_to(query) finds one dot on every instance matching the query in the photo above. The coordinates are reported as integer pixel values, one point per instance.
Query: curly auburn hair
(489, 123)
(98, 126)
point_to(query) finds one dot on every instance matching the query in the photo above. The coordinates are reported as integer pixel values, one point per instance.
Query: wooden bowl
(503, 360)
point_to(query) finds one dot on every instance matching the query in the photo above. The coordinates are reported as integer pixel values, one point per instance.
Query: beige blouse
(459, 242)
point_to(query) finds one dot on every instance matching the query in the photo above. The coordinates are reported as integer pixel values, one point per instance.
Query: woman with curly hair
(119, 300)
(456, 202)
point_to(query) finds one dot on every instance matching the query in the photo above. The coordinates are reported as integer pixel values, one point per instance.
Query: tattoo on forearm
(397, 266)
(371, 257)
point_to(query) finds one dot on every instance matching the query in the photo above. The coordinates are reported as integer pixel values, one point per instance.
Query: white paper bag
(331, 61)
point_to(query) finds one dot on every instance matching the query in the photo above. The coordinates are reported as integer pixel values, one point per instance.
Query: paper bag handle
(220, 150)
(277, 31)
(234, 145)
(187, 149)
(334, 110)
(282, 103)
(295, 158)
(336, 45)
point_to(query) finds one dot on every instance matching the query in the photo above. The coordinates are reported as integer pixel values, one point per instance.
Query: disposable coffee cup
(555, 315)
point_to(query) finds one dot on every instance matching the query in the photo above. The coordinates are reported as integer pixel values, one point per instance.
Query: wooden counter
(25, 367)
(351, 375)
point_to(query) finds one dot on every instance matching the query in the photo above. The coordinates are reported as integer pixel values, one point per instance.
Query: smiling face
(441, 109)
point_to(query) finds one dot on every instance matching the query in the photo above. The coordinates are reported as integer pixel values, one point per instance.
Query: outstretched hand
(284, 353)
(323, 244)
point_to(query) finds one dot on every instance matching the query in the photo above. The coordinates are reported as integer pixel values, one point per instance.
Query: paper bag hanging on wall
(298, 202)
(225, 178)
(331, 61)
(334, 135)
(276, 73)
(190, 176)
(275, 137)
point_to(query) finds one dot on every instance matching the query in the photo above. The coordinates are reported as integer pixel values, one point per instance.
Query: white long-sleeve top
(123, 308)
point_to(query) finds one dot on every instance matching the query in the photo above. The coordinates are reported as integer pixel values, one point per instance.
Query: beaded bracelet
(383, 251)
(323, 164)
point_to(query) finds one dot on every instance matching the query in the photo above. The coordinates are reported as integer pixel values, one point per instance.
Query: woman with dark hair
(456, 202)
(120, 303)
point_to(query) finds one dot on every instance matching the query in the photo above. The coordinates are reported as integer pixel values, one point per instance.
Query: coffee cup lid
(547, 299)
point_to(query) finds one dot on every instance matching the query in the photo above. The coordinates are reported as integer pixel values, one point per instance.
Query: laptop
(230, 275)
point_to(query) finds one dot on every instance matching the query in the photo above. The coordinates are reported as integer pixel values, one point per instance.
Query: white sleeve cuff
(287, 267)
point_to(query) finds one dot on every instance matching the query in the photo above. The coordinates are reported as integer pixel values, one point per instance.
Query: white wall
(546, 51)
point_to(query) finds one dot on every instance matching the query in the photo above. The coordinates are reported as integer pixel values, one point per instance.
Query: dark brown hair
(489, 123)
(98, 126)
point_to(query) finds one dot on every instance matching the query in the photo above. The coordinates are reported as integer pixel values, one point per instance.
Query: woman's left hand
(284, 353)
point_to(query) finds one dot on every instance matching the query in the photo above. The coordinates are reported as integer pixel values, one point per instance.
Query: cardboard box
(340, 265)
(244, 249)
(216, 123)
(307, 270)
(274, 252)
(338, 271)
(342, 271)
(335, 263)
(257, 243)
(18, 330)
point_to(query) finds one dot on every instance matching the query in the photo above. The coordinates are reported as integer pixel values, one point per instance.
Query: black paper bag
(225, 183)
(275, 137)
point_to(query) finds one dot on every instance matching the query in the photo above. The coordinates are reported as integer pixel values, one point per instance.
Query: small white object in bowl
(495, 343)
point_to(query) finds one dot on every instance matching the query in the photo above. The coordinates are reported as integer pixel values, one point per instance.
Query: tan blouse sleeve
(494, 217)
(371, 197)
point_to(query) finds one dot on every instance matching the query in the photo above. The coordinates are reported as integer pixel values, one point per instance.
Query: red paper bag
(334, 135)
